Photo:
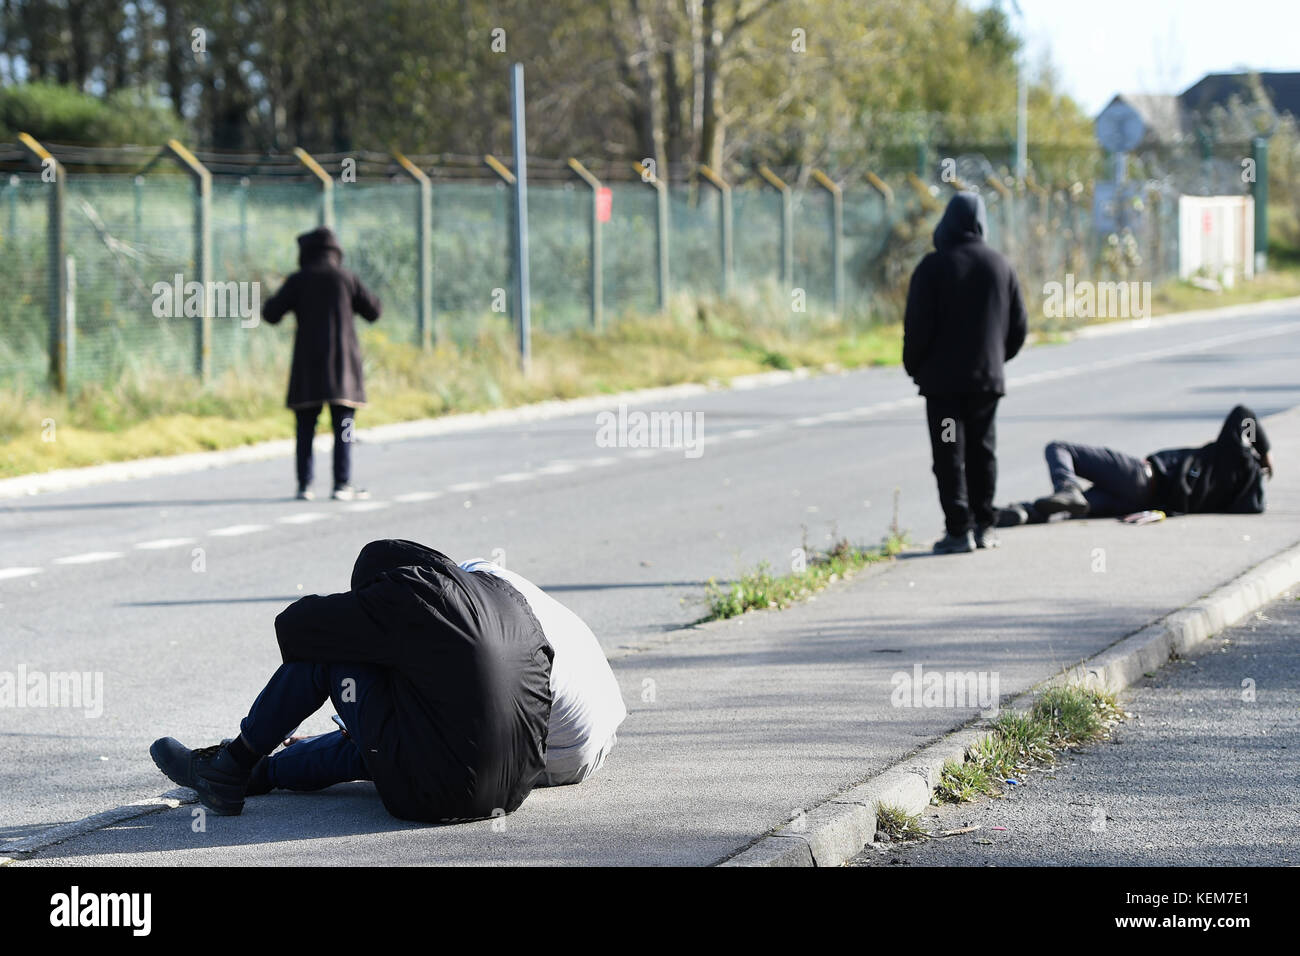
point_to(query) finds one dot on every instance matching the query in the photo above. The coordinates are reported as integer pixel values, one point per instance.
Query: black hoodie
(965, 316)
(1225, 476)
(324, 296)
(458, 729)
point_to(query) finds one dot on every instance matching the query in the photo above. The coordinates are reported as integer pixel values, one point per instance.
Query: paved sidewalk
(736, 726)
(1205, 772)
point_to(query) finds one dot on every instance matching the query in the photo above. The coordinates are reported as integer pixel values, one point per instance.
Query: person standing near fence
(326, 354)
(965, 317)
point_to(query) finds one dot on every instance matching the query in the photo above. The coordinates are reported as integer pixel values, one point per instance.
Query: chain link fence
(132, 247)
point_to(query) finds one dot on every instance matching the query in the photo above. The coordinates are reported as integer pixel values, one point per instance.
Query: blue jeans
(340, 415)
(296, 691)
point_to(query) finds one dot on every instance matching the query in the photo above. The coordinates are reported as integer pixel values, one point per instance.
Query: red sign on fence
(604, 203)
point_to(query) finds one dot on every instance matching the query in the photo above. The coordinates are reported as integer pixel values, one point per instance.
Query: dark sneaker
(985, 538)
(1012, 516)
(210, 772)
(348, 493)
(1069, 500)
(304, 494)
(955, 544)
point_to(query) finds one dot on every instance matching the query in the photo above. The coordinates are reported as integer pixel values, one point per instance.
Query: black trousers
(1121, 484)
(343, 418)
(963, 441)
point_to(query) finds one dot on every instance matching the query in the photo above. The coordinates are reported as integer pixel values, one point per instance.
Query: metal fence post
(425, 330)
(137, 188)
(202, 180)
(326, 185)
(597, 280)
(56, 276)
(787, 224)
(724, 227)
(519, 141)
(661, 232)
(1259, 190)
(837, 237)
(507, 213)
(70, 312)
(243, 217)
(12, 192)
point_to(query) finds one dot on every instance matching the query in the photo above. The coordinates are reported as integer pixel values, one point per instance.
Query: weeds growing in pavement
(1062, 717)
(895, 824)
(760, 588)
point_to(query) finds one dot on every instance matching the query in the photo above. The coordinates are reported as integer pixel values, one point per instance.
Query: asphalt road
(627, 537)
(1204, 772)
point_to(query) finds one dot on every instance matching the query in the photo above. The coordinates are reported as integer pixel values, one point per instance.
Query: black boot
(1068, 499)
(1011, 516)
(955, 544)
(985, 538)
(211, 772)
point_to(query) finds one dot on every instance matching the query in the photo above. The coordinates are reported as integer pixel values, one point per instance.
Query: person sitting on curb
(586, 703)
(443, 680)
(1225, 476)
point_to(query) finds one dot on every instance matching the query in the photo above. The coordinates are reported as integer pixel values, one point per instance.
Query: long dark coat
(458, 729)
(324, 296)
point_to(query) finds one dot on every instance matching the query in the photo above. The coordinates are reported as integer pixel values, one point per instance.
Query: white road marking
(413, 496)
(90, 557)
(367, 506)
(305, 517)
(237, 529)
(557, 468)
(601, 462)
(744, 433)
(514, 476)
(17, 572)
(468, 486)
(163, 543)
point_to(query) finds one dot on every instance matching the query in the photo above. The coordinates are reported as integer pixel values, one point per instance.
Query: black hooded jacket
(1226, 476)
(459, 730)
(965, 316)
(324, 296)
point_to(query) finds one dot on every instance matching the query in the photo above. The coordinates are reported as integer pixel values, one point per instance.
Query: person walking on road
(965, 318)
(326, 355)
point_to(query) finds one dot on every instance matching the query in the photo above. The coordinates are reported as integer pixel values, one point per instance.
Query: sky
(1102, 47)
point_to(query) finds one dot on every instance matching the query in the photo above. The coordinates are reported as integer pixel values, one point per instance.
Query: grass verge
(144, 414)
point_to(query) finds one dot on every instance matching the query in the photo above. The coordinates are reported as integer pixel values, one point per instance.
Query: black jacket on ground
(1225, 476)
(461, 731)
(324, 296)
(965, 316)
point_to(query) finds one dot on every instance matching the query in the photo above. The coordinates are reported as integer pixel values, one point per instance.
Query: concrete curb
(67, 479)
(838, 829)
(16, 850)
